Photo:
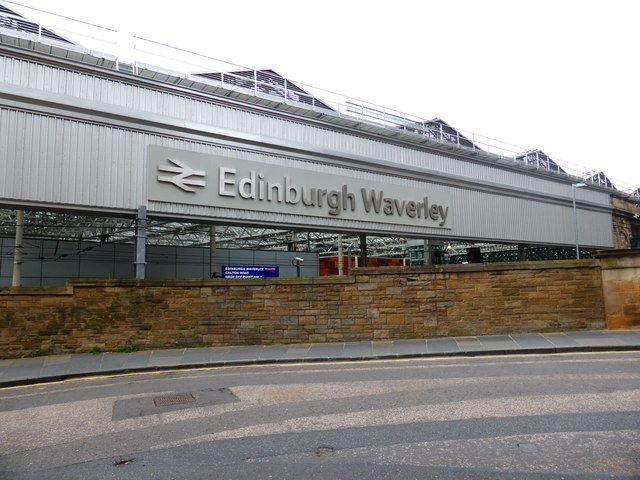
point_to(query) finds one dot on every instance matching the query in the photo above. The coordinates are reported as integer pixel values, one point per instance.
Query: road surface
(568, 416)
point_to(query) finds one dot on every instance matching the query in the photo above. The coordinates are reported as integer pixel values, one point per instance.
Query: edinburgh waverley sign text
(198, 179)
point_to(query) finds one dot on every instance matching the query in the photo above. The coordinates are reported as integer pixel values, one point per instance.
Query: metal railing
(143, 56)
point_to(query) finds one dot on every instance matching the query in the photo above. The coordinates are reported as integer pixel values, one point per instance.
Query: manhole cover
(139, 407)
(169, 400)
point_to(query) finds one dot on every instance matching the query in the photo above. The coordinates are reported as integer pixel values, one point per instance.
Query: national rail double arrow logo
(182, 178)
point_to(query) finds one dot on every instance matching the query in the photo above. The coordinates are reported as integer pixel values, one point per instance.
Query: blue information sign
(250, 272)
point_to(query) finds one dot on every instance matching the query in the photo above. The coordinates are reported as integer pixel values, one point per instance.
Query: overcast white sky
(562, 76)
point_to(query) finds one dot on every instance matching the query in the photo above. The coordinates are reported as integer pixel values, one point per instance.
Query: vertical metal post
(134, 62)
(213, 253)
(575, 214)
(340, 256)
(141, 242)
(522, 252)
(575, 220)
(363, 249)
(426, 257)
(255, 82)
(17, 255)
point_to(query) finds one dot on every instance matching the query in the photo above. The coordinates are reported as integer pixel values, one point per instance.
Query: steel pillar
(17, 252)
(141, 242)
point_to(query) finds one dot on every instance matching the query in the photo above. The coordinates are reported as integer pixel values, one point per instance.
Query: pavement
(51, 368)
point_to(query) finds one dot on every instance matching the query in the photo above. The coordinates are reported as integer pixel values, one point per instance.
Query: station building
(123, 169)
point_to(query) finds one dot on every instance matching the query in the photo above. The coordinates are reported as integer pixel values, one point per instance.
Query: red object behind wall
(329, 265)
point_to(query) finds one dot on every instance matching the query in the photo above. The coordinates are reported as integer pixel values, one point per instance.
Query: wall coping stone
(214, 282)
(618, 252)
(345, 279)
(621, 259)
(36, 290)
(479, 267)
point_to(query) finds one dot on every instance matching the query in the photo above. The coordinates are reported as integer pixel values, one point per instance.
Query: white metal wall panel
(103, 167)
(132, 97)
(60, 161)
(52, 160)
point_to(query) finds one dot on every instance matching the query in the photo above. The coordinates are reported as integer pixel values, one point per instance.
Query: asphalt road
(570, 416)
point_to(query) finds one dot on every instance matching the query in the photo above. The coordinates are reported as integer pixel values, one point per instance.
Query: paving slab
(532, 341)
(469, 344)
(161, 358)
(411, 347)
(242, 353)
(561, 340)
(498, 342)
(194, 356)
(299, 348)
(56, 359)
(384, 348)
(113, 361)
(627, 337)
(299, 352)
(442, 345)
(138, 359)
(326, 350)
(358, 349)
(594, 338)
(83, 362)
(276, 352)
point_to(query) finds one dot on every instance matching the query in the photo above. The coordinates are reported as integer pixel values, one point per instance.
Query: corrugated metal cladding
(136, 99)
(52, 156)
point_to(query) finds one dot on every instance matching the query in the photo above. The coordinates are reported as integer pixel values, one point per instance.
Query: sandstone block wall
(373, 303)
(621, 287)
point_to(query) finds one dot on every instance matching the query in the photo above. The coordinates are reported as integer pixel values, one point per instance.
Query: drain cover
(170, 400)
(139, 407)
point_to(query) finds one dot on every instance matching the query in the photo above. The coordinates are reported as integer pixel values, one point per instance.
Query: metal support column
(575, 214)
(426, 254)
(141, 242)
(363, 249)
(213, 253)
(522, 252)
(17, 253)
(340, 256)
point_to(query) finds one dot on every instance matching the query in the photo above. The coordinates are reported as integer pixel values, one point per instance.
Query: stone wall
(621, 286)
(373, 303)
(626, 220)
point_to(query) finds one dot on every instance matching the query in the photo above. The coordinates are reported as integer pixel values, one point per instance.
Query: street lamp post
(575, 214)
(296, 262)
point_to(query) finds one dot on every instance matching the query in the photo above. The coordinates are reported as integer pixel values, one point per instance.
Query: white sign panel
(198, 179)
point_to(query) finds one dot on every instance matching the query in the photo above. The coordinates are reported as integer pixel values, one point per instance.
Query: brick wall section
(374, 303)
(621, 287)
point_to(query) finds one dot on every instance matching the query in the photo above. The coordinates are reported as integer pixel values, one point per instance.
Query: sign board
(192, 178)
(250, 272)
